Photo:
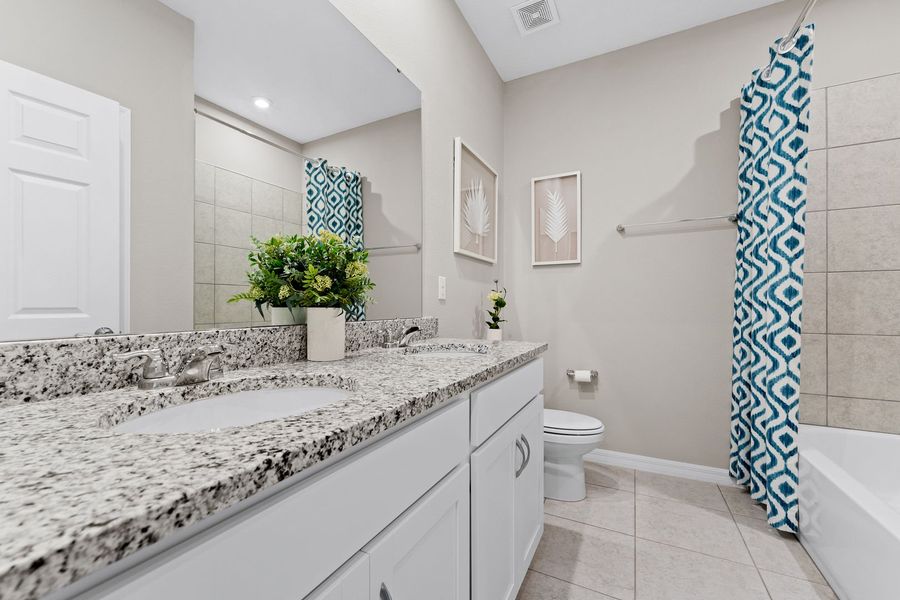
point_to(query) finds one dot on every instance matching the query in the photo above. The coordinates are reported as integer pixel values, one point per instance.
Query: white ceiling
(321, 74)
(586, 28)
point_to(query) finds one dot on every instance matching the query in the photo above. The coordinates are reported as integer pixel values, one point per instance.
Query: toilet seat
(565, 423)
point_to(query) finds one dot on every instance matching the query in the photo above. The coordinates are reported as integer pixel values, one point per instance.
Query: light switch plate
(442, 287)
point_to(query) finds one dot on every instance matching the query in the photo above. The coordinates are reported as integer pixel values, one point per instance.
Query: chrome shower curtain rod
(787, 40)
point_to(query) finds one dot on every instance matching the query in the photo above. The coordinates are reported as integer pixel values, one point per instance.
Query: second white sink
(233, 410)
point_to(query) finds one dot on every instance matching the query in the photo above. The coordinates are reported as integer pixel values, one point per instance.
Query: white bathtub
(850, 509)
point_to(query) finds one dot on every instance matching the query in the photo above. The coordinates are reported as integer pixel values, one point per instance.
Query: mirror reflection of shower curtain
(768, 295)
(334, 203)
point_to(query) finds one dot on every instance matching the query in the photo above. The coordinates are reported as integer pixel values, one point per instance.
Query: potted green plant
(312, 279)
(497, 298)
(334, 276)
(274, 279)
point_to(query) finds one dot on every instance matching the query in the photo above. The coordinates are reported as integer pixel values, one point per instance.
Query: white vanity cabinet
(449, 507)
(507, 485)
(351, 582)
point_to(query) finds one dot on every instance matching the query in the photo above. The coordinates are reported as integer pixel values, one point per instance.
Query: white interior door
(59, 208)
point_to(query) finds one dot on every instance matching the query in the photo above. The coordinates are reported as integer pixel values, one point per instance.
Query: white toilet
(568, 437)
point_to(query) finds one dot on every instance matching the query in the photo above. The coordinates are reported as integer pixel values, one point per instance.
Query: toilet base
(564, 480)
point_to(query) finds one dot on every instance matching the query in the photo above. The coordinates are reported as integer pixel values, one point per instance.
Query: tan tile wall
(228, 209)
(851, 315)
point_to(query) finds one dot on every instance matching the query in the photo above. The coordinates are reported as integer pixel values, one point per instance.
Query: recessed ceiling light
(261, 103)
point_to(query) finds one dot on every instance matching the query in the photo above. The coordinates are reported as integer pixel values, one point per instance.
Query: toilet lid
(570, 423)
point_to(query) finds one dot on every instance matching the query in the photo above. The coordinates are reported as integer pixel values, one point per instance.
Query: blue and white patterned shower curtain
(768, 294)
(334, 203)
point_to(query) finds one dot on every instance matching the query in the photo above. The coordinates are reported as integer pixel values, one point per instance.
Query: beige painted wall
(139, 53)
(653, 128)
(220, 145)
(432, 44)
(389, 155)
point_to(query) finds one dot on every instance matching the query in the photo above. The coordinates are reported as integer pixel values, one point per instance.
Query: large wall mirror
(143, 143)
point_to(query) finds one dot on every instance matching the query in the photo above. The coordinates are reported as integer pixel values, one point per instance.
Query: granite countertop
(75, 496)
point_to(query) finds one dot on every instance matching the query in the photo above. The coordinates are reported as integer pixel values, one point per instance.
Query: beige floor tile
(609, 476)
(676, 488)
(538, 586)
(691, 527)
(740, 503)
(778, 552)
(668, 573)
(598, 559)
(782, 587)
(604, 507)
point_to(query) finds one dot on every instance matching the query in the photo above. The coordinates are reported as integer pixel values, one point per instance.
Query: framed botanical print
(556, 219)
(475, 193)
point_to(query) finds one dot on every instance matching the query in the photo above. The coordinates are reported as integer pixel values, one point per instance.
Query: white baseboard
(660, 465)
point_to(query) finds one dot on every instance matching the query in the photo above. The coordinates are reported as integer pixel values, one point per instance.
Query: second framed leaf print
(556, 219)
(475, 191)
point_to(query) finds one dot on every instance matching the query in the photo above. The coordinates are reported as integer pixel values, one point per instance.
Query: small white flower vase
(494, 335)
(282, 315)
(325, 334)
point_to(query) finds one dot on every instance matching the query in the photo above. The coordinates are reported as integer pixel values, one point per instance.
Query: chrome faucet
(403, 340)
(197, 366)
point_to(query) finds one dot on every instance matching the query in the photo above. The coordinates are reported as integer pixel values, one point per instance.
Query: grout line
(746, 546)
(843, 83)
(572, 583)
(865, 207)
(866, 143)
(634, 546)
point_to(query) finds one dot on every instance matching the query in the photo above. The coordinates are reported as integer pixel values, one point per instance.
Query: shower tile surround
(851, 321)
(48, 369)
(228, 208)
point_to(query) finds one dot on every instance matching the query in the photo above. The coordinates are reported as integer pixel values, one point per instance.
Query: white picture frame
(479, 201)
(566, 204)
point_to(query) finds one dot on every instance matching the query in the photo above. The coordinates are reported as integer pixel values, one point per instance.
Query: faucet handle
(155, 365)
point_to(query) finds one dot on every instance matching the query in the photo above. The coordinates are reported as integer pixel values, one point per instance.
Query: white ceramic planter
(494, 335)
(325, 334)
(287, 316)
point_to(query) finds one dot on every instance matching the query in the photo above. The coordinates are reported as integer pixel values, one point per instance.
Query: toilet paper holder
(571, 373)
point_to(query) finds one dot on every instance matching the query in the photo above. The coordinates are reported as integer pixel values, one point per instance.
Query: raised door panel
(529, 493)
(494, 565)
(59, 207)
(425, 553)
(351, 582)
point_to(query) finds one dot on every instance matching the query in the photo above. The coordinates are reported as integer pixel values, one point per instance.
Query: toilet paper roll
(582, 376)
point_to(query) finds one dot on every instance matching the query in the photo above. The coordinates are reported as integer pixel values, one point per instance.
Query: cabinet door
(351, 582)
(530, 486)
(425, 552)
(494, 467)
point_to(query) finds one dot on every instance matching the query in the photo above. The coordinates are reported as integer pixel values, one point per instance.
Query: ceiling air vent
(534, 16)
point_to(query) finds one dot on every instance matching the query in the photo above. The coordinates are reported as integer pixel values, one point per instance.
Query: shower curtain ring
(787, 45)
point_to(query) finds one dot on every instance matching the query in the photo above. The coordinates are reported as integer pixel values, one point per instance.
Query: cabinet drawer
(496, 402)
(285, 546)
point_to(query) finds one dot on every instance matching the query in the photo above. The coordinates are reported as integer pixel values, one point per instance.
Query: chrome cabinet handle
(524, 457)
(384, 594)
(527, 447)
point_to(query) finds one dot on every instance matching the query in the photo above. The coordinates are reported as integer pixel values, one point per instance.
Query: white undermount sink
(233, 410)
